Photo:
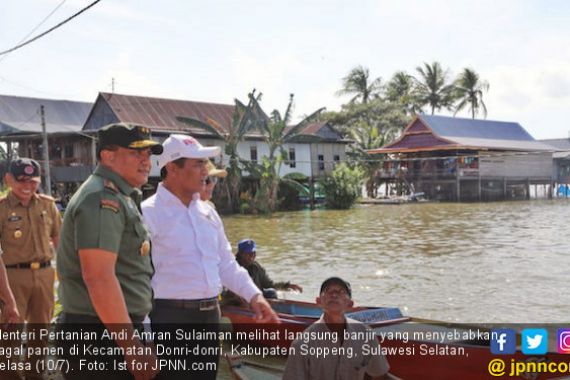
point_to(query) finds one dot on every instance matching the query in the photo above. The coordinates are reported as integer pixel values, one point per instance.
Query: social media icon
(503, 341)
(563, 341)
(535, 341)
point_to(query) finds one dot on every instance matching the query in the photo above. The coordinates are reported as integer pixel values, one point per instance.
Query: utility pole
(47, 175)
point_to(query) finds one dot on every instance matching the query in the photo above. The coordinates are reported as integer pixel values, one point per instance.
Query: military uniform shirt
(104, 214)
(26, 232)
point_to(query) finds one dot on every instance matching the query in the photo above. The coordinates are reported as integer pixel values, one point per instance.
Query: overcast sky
(217, 50)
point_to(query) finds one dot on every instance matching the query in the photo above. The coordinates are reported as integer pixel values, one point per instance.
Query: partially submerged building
(72, 133)
(312, 153)
(561, 165)
(456, 159)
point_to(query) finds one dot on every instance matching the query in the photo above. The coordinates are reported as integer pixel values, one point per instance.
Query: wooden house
(457, 159)
(312, 153)
(561, 172)
(69, 148)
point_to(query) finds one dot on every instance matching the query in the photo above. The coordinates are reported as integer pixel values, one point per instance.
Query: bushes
(342, 187)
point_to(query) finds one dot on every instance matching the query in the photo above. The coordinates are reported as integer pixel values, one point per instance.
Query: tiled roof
(21, 115)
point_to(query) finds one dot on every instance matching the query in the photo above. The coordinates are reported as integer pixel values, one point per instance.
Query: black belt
(31, 265)
(85, 318)
(202, 305)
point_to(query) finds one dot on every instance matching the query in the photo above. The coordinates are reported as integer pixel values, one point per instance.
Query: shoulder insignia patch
(110, 185)
(110, 205)
(46, 197)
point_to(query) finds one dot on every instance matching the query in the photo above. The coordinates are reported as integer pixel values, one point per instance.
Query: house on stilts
(456, 159)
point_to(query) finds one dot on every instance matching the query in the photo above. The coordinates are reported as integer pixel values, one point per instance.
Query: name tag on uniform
(14, 218)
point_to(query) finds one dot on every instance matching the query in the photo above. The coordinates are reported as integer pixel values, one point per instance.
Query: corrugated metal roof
(561, 145)
(160, 114)
(461, 133)
(313, 128)
(21, 115)
(474, 128)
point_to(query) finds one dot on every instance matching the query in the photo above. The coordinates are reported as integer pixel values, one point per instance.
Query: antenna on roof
(112, 85)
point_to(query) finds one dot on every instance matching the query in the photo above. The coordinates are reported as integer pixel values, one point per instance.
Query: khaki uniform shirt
(26, 231)
(104, 214)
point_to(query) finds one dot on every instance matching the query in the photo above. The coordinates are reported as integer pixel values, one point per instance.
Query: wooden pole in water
(527, 188)
(312, 193)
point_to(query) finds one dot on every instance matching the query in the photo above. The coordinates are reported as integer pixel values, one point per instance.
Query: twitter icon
(534, 341)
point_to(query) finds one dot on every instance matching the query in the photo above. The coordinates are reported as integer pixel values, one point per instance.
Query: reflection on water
(482, 262)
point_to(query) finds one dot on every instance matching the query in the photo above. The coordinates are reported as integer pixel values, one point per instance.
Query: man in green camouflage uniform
(103, 258)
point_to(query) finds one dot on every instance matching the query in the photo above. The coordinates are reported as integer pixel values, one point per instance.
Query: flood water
(480, 262)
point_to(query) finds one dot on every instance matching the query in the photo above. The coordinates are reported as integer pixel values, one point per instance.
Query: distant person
(335, 297)
(29, 231)
(245, 256)
(211, 181)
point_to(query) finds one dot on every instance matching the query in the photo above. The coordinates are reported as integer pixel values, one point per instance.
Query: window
(253, 153)
(292, 162)
(336, 159)
(68, 151)
(321, 159)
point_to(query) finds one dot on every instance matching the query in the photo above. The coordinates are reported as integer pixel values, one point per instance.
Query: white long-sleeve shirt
(190, 251)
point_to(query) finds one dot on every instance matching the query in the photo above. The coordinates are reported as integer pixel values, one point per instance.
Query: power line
(37, 26)
(49, 30)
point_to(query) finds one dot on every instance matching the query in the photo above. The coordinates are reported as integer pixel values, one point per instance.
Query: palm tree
(401, 90)
(244, 119)
(366, 137)
(277, 133)
(358, 82)
(469, 90)
(432, 87)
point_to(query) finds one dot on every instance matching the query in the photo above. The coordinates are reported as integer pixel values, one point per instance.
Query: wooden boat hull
(244, 369)
(408, 358)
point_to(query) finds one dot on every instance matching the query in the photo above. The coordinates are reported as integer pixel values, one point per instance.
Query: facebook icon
(503, 341)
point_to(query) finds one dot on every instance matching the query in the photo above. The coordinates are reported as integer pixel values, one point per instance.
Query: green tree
(433, 88)
(401, 90)
(359, 84)
(469, 90)
(244, 119)
(369, 126)
(342, 187)
(368, 137)
(277, 132)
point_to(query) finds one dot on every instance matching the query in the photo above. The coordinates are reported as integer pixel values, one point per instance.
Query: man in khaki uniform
(29, 231)
(103, 259)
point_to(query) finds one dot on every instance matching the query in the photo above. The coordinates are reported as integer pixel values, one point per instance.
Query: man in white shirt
(192, 259)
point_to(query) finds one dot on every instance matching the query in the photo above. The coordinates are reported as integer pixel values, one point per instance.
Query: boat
(415, 348)
(245, 369)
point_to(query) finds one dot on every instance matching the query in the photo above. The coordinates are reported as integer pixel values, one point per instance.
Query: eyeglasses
(210, 180)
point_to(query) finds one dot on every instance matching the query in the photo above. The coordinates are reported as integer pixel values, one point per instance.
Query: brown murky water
(481, 262)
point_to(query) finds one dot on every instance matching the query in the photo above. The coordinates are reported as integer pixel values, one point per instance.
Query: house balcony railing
(417, 174)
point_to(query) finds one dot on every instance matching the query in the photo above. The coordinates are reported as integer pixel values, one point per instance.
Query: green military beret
(128, 135)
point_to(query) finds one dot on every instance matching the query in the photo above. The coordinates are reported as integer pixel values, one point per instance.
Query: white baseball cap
(184, 146)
